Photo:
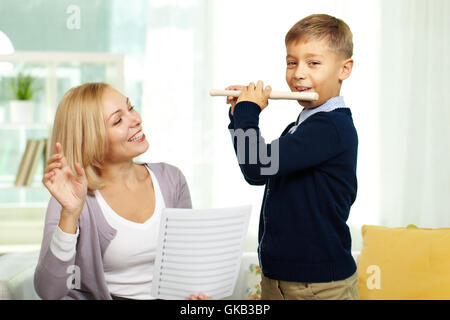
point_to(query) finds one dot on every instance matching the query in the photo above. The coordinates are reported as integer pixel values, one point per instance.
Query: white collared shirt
(329, 105)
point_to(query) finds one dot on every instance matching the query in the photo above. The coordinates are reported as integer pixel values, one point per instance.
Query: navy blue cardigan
(303, 235)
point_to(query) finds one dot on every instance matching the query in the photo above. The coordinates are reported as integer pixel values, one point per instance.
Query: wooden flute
(279, 95)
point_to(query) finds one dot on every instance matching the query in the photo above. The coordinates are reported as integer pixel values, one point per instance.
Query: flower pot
(21, 111)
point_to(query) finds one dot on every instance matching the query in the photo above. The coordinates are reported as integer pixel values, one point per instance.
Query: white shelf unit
(53, 60)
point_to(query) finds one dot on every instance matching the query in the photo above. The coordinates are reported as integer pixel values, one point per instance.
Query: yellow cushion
(404, 263)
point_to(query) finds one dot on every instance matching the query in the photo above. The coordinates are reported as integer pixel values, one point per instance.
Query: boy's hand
(233, 100)
(257, 94)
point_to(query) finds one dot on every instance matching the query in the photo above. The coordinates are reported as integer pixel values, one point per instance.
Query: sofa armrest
(16, 276)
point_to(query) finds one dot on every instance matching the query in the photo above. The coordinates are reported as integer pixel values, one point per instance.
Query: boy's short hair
(321, 26)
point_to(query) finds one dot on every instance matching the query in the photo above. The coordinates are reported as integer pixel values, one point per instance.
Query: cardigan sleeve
(254, 182)
(313, 143)
(52, 274)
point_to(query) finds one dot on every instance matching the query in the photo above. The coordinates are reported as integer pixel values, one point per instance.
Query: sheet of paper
(199, 251)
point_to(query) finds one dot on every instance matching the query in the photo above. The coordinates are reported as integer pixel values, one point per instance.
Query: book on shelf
(25, 163)
(37, 157)
(48, 150)
(30, 161)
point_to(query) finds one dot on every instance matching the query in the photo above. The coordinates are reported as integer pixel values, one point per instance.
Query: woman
(103, 217)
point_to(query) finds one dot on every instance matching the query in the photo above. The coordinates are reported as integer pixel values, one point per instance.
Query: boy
(304, 242)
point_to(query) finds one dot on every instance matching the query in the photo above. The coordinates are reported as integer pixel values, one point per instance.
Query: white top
(63, 245)
(129, 259)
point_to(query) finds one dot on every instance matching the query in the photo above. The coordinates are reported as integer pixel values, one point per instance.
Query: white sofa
(16, 276)
(17, 271)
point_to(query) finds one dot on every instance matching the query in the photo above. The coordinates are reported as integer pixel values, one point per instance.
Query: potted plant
(21, 109)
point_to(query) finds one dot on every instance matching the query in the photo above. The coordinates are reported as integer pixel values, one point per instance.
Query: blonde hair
(323, 26)
(80, 129)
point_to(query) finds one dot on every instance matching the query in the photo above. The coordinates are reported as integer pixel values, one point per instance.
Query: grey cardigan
(52, 274)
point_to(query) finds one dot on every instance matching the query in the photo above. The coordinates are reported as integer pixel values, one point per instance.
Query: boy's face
(311, 66)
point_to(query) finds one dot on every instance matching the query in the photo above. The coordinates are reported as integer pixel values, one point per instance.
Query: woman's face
(123, 125)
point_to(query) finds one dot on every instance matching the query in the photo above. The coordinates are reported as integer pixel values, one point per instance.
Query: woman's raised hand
(70, 190)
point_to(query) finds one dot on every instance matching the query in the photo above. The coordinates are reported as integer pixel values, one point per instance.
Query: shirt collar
(330, 105)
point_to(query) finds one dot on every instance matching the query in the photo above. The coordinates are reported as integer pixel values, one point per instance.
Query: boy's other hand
(257, 94)
(232, 100)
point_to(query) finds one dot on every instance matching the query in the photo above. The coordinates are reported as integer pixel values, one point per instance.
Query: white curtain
(414, 113)
(175, 111)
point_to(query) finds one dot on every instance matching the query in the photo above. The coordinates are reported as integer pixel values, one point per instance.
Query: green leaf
(22, 87)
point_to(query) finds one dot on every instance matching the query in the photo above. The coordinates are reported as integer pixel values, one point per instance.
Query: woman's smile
(138, 137)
